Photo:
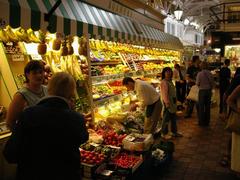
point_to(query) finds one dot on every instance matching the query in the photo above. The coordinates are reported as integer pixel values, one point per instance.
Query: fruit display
(117, 87)
(132, 52)
(109, 152)
(120, 68)
(91, 157)
(112, 138)
(151, 66)
(126, 161)
(98, 68)
(67, 63)
(99, 56)
(101, 91)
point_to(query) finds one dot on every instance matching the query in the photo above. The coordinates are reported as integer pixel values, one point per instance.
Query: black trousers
(181, 91)
(204, 106)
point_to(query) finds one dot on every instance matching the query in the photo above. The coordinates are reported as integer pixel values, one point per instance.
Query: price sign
(17, 57)
(12, 48)
(36, 57)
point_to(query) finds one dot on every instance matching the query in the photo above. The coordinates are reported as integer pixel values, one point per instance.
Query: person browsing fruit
(149, 100)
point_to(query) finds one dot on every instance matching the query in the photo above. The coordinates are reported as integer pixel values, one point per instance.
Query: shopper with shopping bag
(191, 75)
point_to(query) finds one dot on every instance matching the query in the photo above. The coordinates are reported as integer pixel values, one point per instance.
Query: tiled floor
(197, 154)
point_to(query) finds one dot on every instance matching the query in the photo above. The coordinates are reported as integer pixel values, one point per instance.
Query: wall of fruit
(98, 68)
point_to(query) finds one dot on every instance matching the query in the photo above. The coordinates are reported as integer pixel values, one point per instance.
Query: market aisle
(198, 153)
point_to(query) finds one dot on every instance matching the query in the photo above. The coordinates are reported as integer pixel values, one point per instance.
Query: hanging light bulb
(186, 22)
(178, 13)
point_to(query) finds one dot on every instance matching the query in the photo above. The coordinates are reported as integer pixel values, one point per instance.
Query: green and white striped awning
(78, 18)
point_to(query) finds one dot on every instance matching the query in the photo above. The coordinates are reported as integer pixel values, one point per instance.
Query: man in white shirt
(149, 99)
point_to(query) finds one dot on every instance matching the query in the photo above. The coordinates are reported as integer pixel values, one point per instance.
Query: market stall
(98, 48)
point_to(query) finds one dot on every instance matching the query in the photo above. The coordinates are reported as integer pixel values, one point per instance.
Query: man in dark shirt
(224, 82)
(192, 71)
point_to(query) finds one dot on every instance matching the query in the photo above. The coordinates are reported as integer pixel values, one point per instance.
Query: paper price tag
(36, 57)
(17, 57)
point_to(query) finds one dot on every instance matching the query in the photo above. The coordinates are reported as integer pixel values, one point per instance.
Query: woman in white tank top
(30, 94)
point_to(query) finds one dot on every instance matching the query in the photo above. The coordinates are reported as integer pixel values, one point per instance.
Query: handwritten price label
(17, 57)
(12, 49)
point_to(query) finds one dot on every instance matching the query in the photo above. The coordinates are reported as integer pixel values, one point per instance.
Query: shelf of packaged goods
(105, 63)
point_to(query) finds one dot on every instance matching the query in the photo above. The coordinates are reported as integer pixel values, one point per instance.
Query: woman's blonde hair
(62, 84)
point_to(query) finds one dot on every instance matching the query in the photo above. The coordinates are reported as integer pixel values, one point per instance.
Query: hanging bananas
(32, 36)
(12, 36)
(3, 36)
(22, 35)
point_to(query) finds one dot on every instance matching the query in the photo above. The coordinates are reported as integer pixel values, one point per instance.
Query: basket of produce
(125, 163)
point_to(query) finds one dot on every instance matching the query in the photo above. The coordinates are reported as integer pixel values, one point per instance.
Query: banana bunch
(92, 44)
(22, 35)
(51, 61)
(12, 36)
(32, 36)
(76, 70)
(70, 65)
(3, 36)
(63, 63)
(55, 67)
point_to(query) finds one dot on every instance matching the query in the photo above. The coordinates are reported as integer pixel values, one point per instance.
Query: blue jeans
(169, 117)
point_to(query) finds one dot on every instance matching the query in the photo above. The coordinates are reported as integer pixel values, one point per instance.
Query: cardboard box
(131, 143)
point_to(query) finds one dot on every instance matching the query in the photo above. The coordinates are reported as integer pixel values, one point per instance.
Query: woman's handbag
(233, 122)
(193, 93)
